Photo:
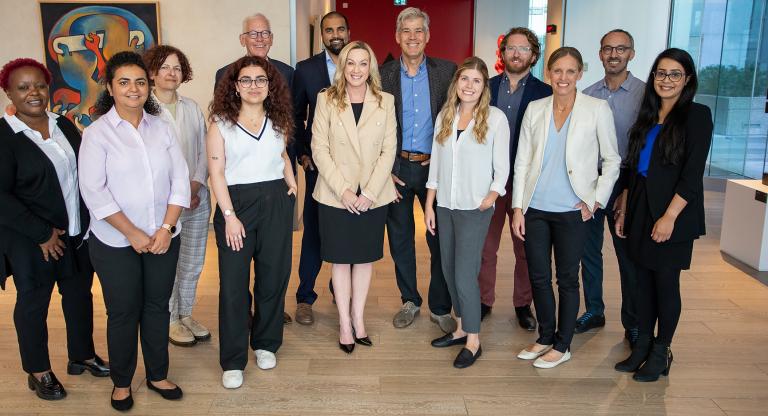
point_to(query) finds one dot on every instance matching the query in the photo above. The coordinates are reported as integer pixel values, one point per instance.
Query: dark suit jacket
(684, 179)
(439, 71)
(534, 90)
(32, 204)
(310, 77)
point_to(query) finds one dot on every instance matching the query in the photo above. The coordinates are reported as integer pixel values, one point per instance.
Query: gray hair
(253, 17)
(412, 13)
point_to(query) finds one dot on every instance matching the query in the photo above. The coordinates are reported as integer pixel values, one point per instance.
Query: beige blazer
(352, 156)
(591, 136)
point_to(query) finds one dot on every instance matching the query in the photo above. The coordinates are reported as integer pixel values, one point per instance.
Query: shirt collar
(521, 83)
(422, 65)
(18, 126)
(115, 118)
(179, 98)
(328, 59)
(627, 85)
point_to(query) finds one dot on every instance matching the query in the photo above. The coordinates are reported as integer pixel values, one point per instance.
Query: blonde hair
(337, 92)
(448, 113)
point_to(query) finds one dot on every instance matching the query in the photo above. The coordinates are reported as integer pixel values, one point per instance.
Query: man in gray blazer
(419, 84)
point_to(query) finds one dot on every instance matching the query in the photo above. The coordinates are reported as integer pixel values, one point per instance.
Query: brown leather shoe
(304, 314)
(286, 318)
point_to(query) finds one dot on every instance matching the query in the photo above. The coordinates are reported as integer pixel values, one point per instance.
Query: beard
(335, 45)
(518, 67)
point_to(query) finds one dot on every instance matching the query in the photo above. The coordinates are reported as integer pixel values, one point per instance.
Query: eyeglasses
(520, 49)
(255, 34)
(673, 76)
(246, 82)
(621, 49)
(168, 68)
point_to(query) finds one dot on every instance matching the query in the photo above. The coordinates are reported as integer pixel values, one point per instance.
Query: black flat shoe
(168, 394)
(448, 341)
(124, 404)
(484, 310)
(48, 387)
(362, 341)
(348, 348)
(466, 358)
(98, 368)
(525, 318)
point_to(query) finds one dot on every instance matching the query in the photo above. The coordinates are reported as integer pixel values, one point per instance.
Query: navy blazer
(310, 77)
(31, 205)
(439, 72)
(534, 90)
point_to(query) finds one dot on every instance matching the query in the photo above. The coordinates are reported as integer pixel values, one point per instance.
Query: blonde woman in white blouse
(468, 171)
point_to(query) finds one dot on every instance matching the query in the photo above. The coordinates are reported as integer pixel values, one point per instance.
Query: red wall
(450, 26)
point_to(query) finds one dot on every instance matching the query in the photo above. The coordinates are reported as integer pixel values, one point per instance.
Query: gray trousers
(462, 235)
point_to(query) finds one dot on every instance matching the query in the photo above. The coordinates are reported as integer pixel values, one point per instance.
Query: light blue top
(417, 113)
(330, 66)
(553, 192)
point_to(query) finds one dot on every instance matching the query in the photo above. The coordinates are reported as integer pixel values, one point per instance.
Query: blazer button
(378, 123)
(570, 172)
(340, 123)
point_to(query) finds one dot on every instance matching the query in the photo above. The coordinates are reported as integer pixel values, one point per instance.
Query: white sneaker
(266, 360)
(232, 379)
(540, 363)
(532, 355)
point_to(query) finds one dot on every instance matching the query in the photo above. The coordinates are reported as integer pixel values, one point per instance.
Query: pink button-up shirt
(136, 171)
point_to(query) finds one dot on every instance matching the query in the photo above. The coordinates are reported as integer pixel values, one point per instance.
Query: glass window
(537, 22)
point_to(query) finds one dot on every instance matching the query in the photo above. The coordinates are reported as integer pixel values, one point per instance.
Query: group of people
(131, 200)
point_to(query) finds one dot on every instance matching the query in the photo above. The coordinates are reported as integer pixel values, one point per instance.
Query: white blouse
(250, 159)
(463, 171)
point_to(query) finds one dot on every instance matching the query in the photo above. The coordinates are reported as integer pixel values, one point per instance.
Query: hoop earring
(237, 93)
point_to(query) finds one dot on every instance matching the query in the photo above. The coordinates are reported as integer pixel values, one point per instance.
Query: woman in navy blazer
(662, 211)
(42, 222)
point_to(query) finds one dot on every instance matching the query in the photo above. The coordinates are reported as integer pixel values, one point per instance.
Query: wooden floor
(720, 367)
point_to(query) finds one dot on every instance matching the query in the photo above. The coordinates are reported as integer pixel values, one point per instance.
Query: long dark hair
(671, 138)
(118, 60)
(278, 105)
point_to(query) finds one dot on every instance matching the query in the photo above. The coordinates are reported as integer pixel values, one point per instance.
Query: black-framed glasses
(255, 34)
(621, 49)
(520, 49)
(673, 76)
(246, 82)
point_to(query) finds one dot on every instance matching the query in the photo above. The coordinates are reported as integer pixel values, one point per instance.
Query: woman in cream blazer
(353, 145)
(557, 186)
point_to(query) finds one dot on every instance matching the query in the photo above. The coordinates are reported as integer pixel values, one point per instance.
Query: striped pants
(194, 236)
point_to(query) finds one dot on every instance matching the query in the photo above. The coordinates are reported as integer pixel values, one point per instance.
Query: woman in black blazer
(662, 212)
(42, 222)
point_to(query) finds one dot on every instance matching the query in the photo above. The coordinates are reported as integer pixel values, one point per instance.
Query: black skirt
(642, 249)
(347, 238)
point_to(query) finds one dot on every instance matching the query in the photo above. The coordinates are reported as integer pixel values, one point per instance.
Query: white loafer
(530, 355)
(266, 360)
(232, 379)
(540, 363)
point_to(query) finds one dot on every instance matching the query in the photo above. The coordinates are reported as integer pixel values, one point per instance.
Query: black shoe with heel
(658, 363)
(362, 341)
(348, 348)
(123, 404)
(639, 354)
(97, 368)
(48, 387)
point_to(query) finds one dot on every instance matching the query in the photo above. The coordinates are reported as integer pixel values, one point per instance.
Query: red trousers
(521, 295)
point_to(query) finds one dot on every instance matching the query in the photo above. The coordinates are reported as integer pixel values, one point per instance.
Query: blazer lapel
(434, 80)
(398, 93)
(574, 116)
(348, 121)
(322, 67)
(369, 108)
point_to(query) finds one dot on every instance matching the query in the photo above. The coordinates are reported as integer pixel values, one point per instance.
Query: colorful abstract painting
(80, 38)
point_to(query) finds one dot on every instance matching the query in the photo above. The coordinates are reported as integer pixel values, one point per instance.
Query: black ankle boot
(657, 364)
(639, 354)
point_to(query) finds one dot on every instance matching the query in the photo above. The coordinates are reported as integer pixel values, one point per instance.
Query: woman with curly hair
(354, 140)
(42, 224)
(168, 69)
(135, 182)
(468, 171)
(252, 180)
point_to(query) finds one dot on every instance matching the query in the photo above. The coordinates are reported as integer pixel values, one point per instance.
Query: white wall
(206, 31)
(494, 18)
(586, 21)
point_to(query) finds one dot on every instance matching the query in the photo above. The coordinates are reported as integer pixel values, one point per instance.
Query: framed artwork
(79, 38)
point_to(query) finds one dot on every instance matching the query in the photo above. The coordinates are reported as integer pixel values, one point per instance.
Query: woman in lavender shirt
(135, 182)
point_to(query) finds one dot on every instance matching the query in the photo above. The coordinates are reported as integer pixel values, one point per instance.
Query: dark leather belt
(414, 157)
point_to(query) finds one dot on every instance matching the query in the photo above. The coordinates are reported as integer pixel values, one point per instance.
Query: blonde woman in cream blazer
(557, 186)
(354, 140)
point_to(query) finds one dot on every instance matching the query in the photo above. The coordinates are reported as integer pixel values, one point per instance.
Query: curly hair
(105, 102)
(278, 106)
(337, 92)
(448, 113)
(8, 68)
(531, 37)
(156, 56)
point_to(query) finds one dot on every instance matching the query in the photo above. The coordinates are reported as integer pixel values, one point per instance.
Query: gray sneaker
(445, 322)
(405, 315)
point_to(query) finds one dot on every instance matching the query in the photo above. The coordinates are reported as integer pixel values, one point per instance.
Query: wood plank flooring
(720, 367)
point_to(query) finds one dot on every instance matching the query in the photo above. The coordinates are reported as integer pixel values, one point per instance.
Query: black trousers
(401, 231)
(566, 233)
(136, 290)
(31, 313)
(658, 299)
(266, 212)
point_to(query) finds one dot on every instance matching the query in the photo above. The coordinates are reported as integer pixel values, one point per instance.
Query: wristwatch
(170, 228)
(228, 213)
